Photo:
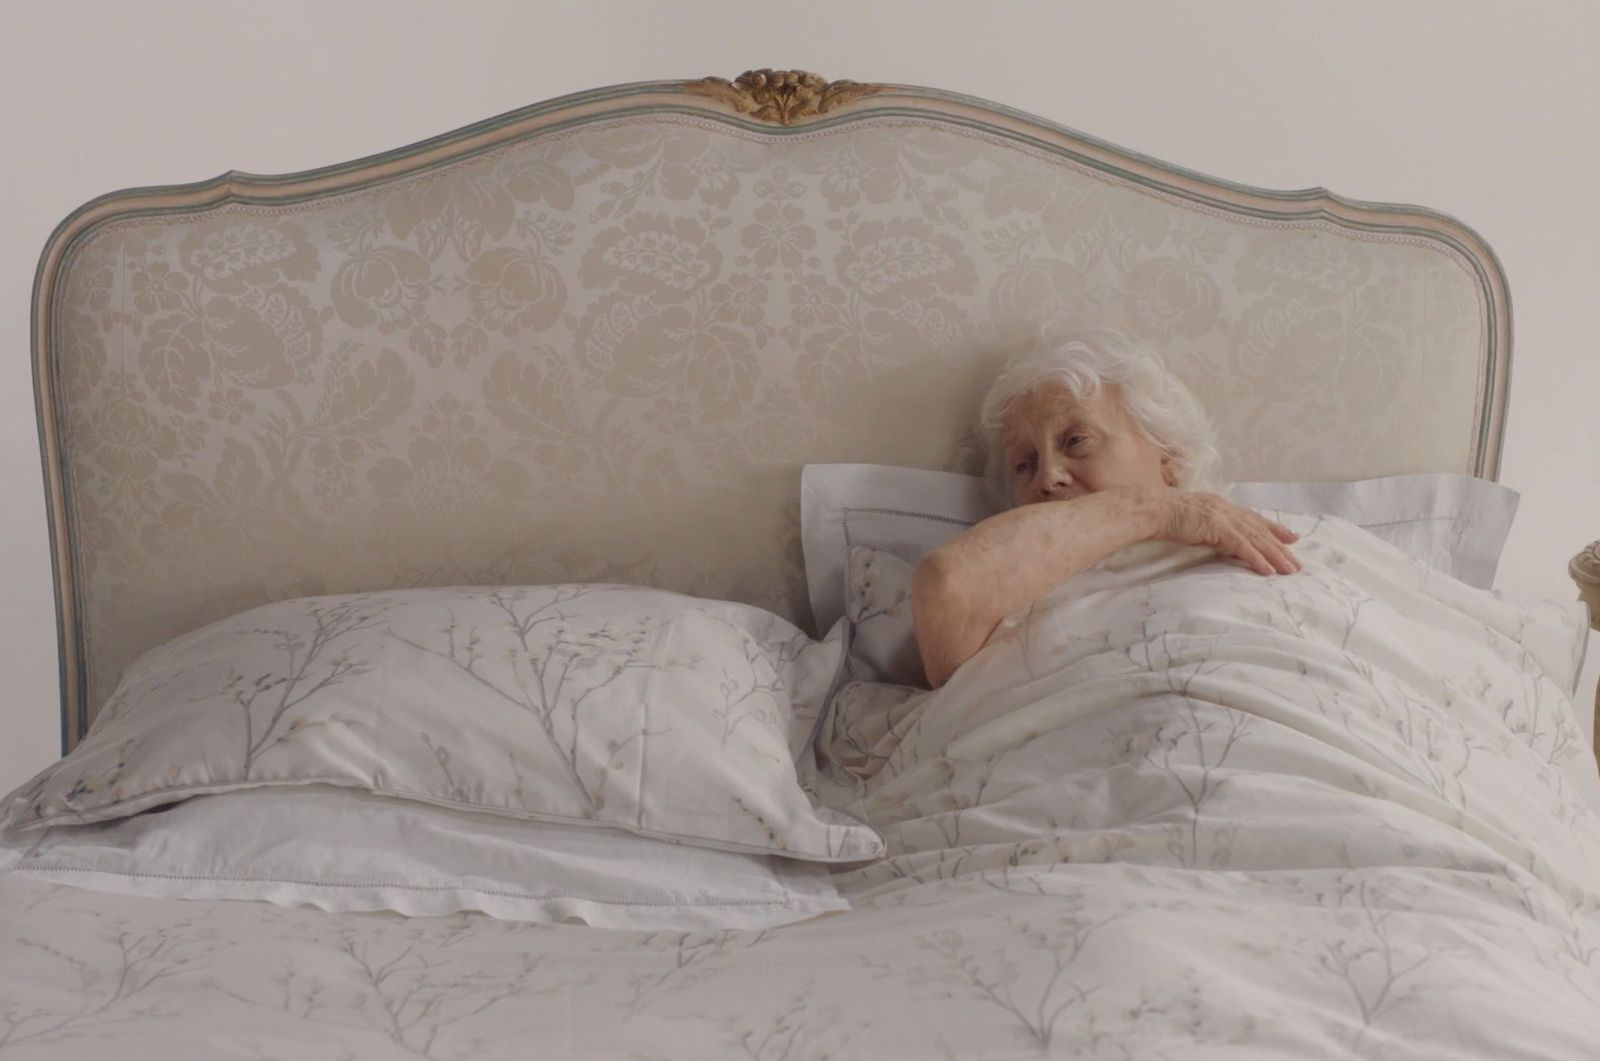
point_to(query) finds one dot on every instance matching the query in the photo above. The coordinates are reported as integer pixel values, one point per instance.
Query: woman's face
(1057, 447)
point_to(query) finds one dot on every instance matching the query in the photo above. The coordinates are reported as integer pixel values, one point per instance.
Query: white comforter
(1174, 810)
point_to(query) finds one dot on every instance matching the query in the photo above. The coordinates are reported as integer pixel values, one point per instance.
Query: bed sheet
(1334, 815)
(1068, 960)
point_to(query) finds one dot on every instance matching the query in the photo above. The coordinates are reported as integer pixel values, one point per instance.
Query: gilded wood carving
(782, 97)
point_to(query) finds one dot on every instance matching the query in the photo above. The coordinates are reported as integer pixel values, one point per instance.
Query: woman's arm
(961, 591)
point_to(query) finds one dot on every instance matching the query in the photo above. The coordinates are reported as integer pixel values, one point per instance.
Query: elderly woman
(1097, 446)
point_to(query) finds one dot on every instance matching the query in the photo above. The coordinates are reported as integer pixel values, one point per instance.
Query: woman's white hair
(1160, 405)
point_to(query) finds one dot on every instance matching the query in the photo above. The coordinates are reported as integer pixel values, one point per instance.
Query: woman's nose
(1052, 477)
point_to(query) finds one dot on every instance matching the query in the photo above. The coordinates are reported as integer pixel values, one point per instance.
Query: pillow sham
(342, 849)
(1455, 523)
(905, 511)
(650, 711)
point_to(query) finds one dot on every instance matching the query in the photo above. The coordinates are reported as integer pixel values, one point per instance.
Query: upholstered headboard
(595, 339)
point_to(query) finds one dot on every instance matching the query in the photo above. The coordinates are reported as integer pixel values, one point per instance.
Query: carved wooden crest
(782, 97)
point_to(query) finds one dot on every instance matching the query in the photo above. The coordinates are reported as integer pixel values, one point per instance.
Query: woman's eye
(1023, 466)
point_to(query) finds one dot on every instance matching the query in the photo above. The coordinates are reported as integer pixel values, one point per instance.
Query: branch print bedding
(655, 712)
(1173, 810)
(1182, 708)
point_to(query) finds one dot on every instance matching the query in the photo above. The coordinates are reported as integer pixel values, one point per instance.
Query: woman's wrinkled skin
(1086, 482)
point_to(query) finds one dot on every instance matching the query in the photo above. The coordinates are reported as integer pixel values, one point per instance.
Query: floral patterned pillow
(655, 712)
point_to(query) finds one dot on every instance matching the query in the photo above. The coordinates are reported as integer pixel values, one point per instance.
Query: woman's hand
(1191, 518)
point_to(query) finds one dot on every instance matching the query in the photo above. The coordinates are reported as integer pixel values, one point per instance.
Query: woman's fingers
(1249, 555)
(1272, 540)
(1265, 553)
(1278, 552)
(1243, 533)
(1281, 558)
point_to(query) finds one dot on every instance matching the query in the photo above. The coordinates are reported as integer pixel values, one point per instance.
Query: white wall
(1480, 109)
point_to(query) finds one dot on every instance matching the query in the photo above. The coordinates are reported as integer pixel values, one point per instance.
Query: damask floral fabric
(1175, 810)
(650, 711)
(602, 355)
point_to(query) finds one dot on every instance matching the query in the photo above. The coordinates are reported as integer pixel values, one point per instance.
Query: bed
(646, 399)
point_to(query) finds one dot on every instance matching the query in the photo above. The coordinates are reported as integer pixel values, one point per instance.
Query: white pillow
(905, 511)
(1455, 523)
(654, 712)
(341, 849)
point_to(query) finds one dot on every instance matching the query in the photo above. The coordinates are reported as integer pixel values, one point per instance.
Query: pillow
(650, 711)
(905, 511)
(341, 849)
(1455, 523)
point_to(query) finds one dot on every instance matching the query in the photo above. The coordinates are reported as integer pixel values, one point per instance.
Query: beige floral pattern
(447, 469)
(455, 211)
(385, 286)
(653, 255)
(514, 291)
(899, 261)
(1170, 297)
(234, 256)
(609, 348)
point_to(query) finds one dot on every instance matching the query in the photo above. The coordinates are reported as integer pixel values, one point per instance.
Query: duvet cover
(1174, 809)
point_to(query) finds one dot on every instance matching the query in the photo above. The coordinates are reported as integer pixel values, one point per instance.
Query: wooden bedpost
(1585, 571)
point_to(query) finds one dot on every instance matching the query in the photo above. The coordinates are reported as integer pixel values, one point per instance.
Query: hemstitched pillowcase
(342, 849)
(655, 712)
(905, 511)
(1457, 524)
